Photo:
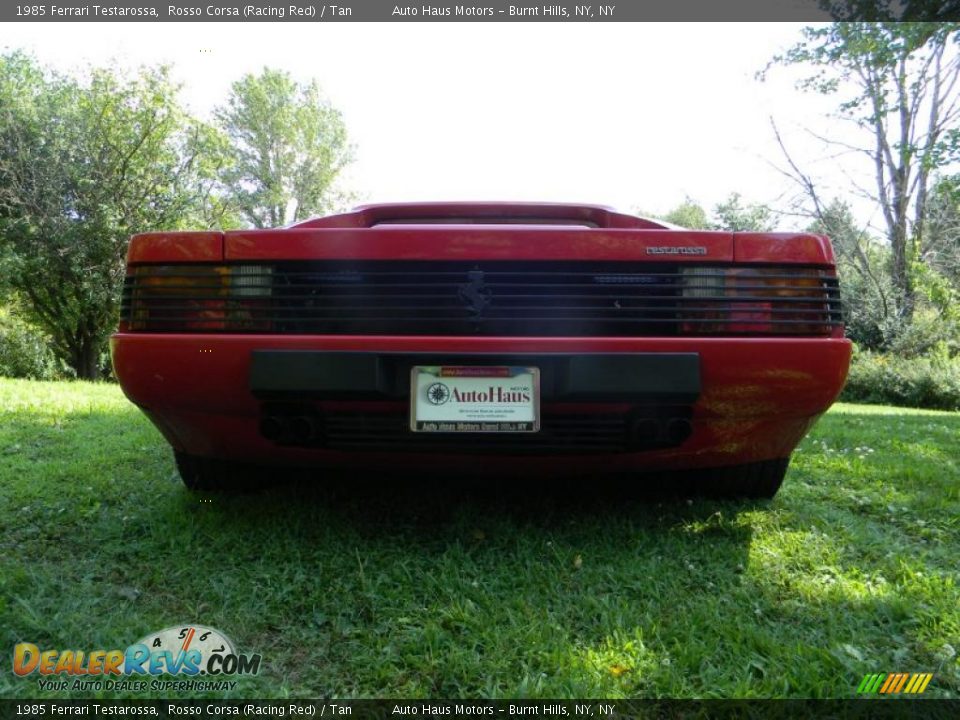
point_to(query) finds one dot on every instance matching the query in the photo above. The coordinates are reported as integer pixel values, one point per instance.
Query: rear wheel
(758, 481)
(210, 474)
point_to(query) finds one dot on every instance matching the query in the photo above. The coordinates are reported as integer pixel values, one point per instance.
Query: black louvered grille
(482, 298)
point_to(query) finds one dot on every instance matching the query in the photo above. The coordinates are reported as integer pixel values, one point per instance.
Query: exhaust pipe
(302, 429)
(272, 427)
(678, 430)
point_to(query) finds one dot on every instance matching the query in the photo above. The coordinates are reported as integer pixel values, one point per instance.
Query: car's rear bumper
(745, 400)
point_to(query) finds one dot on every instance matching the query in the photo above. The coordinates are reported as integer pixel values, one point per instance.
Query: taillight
(197, 298)
(757, 300)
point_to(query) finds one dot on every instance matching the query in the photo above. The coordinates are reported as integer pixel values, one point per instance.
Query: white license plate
(474, 399)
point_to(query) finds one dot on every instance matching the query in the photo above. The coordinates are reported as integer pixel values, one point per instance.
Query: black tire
(213, 475)
(755, 481)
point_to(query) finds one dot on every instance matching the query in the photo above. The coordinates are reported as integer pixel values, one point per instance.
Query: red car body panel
(465, 242)
(758, 395)
(176, 247)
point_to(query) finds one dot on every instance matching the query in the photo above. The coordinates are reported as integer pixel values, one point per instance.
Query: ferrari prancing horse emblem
(475, 294)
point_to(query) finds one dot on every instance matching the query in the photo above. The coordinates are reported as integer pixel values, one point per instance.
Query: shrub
(25, 351)
(928, 333)
(923, 382)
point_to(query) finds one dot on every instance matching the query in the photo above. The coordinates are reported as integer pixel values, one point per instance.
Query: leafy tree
(936, 274)
(867, 292)
(942, 252)
(891, 10)
(83, 165)
(732, 215)
(865, 288)
(289, 145)
(24, 351)
(735, 216)
(689, 214)
(897, 82)
(209, 152)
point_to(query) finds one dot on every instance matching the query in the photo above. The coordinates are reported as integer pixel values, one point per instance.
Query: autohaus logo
(494, 394)
(438, 393)
(184, 651)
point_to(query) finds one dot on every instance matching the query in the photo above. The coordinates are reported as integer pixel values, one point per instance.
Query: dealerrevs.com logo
(185, 651)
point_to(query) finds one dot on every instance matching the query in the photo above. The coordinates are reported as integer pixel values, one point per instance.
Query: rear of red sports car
(495, 338)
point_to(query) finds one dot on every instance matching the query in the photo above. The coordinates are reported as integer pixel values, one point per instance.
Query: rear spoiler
(540, 231)
(474, 213)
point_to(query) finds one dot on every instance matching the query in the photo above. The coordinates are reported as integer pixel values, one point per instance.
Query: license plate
(483, 399)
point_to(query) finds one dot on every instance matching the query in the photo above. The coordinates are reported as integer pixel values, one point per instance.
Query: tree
(891, 10)
(897, 82)
(942, 241)
(688, 214)
(734, 216)
(83, 165)
(289, 145)
(865, 289)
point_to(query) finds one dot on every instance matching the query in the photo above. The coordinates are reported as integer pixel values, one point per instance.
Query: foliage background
(90, 157)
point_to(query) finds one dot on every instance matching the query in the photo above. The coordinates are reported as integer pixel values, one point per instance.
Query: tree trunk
(900, 274)
(86, 360)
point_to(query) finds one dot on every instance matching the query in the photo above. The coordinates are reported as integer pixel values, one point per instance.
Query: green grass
(397, 590)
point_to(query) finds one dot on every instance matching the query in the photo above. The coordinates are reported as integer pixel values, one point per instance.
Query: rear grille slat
(159, 297)
(483, 298)
(320, 312)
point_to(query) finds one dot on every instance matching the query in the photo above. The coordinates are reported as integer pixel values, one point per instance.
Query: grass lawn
(359, 589)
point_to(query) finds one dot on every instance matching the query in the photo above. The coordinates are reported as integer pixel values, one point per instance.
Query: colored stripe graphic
(900, 682)
(868, 684)
(894, 683)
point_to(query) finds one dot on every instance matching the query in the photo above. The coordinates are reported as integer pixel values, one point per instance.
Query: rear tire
(755, 481)
(213, 475)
